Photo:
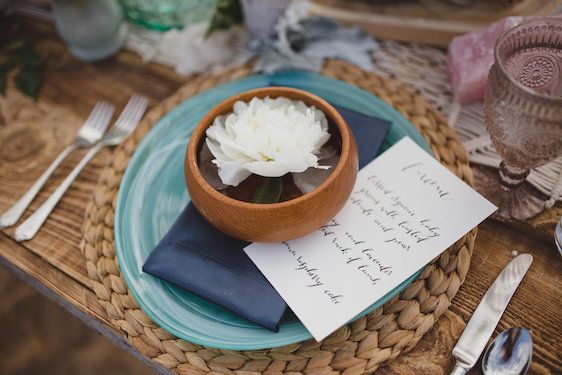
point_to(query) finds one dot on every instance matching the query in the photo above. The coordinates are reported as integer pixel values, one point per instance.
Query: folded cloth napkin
(196, 256)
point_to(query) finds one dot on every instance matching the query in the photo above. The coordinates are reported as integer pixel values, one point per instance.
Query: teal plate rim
(332, 90)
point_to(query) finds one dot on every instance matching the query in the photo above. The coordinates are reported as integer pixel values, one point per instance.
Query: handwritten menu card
(405, 210)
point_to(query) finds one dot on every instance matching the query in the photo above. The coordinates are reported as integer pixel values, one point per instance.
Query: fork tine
(105, 117)
(110, 112)
(98, 124)
(126, 114)
(97, 116)
(136, 115)
(132, 114)
(94, 114)
(140, 110)
(135, 103)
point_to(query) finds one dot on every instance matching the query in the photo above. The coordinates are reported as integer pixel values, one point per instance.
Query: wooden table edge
(28, 267)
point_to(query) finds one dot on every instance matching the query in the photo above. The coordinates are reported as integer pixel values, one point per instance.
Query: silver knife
(488, 313)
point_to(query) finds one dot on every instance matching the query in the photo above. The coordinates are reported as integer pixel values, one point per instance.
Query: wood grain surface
(32, 134)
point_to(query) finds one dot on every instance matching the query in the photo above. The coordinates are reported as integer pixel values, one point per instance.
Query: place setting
(300, 213)
(227, 250)
(226, 244)
(215, 269)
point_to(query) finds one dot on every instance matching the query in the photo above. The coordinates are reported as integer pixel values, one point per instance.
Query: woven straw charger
(360, 347)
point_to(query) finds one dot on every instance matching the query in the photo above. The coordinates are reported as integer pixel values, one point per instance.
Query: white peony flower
(267, 137)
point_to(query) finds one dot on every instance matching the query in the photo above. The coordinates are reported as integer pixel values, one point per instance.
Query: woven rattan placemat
(360, 347)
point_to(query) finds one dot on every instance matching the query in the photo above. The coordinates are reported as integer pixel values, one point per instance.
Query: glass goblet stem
(511, 176)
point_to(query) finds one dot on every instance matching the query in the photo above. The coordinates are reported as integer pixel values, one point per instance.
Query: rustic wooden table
(32, 134)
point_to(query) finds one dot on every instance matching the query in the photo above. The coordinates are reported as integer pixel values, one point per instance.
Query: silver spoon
(509, 354)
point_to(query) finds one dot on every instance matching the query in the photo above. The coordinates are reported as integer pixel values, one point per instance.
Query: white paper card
(405, 210)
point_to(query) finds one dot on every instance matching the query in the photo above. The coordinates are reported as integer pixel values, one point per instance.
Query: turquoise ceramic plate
(153, 194)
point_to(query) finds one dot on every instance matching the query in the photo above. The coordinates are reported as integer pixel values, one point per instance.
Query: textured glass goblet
(523, 112)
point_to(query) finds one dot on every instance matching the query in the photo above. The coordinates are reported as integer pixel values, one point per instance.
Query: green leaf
(30, 57)
(13, 46)
(28, 80)
(5, 68)
(29, 77)
(227, 14)
(269, 192)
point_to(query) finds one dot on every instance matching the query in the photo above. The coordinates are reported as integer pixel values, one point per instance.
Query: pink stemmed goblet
(523, 112)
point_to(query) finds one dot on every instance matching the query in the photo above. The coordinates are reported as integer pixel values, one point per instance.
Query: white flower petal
(268, 168)
(215, 149)
(233, 173)
(268, 137)
(310, 179)
(240, 107)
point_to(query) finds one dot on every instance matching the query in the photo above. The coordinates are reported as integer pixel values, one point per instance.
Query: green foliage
(227, 14)
(270, 191)
(22, 56)
(5, 68)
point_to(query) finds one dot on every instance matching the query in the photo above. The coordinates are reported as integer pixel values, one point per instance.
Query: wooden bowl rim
(271, 91)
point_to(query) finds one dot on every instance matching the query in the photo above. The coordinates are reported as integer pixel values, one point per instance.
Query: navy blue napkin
(197, 257)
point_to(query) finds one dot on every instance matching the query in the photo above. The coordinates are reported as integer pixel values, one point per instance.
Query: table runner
(360, 347)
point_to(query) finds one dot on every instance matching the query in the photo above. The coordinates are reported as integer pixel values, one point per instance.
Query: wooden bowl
(277, 221)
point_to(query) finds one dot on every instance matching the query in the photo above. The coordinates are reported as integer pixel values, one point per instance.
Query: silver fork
(88, 135)
(125, 124)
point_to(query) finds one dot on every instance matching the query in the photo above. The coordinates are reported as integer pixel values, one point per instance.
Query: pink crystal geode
(470, 57)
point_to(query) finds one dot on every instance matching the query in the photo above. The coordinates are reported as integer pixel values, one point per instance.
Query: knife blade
(488, 313)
